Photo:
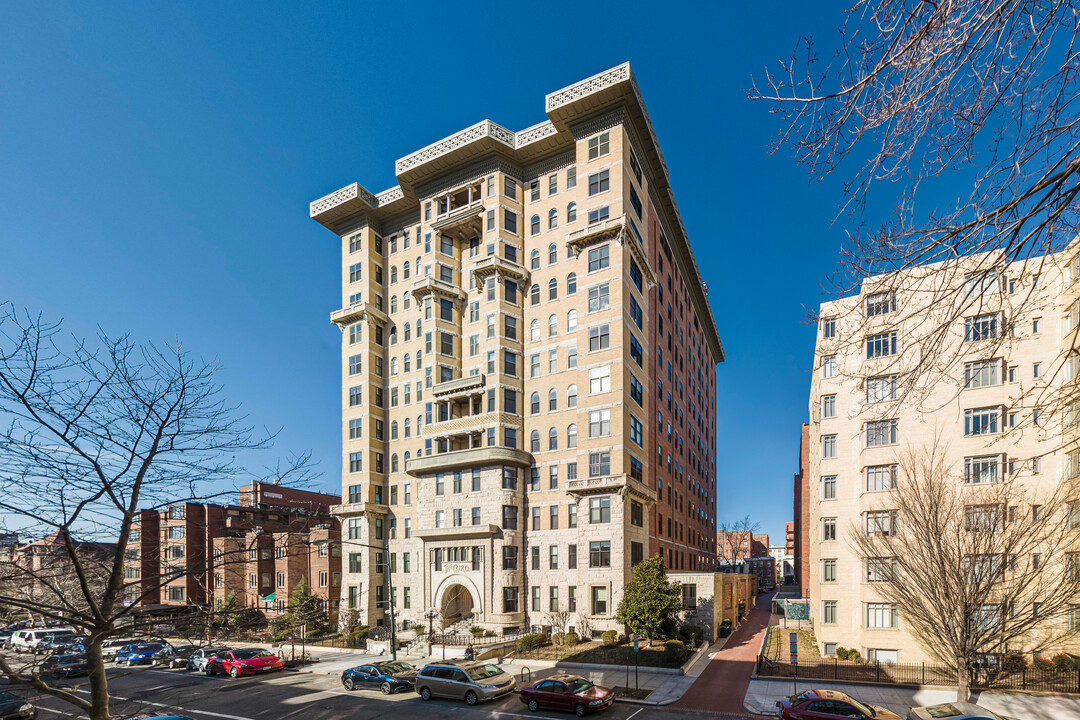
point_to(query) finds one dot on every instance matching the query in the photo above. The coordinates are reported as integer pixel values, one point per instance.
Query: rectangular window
(599, 510)
(510, 557)
(980, 470)
(356, 462)
(599, 298)
(599, 338)
(982, 421)
(828, 487)
(510, 599)
(881, 615)
(982, 327)
(879, 477)
(828, 446)
(828, 366)
(599, 182)
(881, 345)
(828, 570)
(880, 303)
(599, 145)
(599, 423)
(880, 522)
(982, 373)
(828, 612)
(880, 389)
(599, 258)
(828, 528)
(828, 328)
(828, 406)
(882, 432)
(600, 554)
(599, 214)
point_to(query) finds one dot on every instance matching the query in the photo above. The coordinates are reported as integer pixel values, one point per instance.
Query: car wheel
(425, 694)
(386, 689)
(234, 673)
(580, 709)
(208, 670)
(470, 697)
(533, 705)
(349, 684)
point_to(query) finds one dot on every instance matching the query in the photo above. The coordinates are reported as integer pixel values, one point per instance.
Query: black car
(64, 666)
(389, 677)
(174, 657)
(13, 707)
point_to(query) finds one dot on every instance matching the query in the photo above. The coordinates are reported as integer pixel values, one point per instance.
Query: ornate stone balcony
(473, 457)
(430, 286)
(459, 216)
(471, 424)
(356, 313)
(620, 484)
(495, 265)
(453, 533)
(354, 509)
(462, 386)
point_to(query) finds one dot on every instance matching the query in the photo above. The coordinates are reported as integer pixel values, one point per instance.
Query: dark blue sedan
(389, 677)
(140, 654)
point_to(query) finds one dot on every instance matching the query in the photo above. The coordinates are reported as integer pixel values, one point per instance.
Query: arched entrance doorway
(457, 604)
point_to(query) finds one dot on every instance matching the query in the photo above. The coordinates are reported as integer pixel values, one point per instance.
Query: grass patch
(778, 646)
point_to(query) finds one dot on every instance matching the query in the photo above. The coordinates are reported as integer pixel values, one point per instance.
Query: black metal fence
(615, 655)
(1064, 681)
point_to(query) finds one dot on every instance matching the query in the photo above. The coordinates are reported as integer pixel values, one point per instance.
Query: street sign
(635, 642)
(794, 640)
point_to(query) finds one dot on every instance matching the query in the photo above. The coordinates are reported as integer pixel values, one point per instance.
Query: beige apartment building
(988, 394)
(528, 372)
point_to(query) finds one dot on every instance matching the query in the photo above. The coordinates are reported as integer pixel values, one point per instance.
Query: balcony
(495, 265)
(355, 313)
(618, 229)
(454, 533)
(461, 387)
(472, 424)
(610, 484)
(459, 216)
(473, 457)
(354, 509)
(430, 286)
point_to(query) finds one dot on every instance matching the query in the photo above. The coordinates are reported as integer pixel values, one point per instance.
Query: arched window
(553, 218)
(405, 270)
(408, 360)
(553, 399)
(393, 336)
(571, 321)
(534, 403)
(407, 457)
(393, 303)
(571, 212)
(393, 463)
(534, 441)
(419, 328)
(534, 294)
(419, 424)
(553, 439)
(534, 260)
(534, 330)
(408, 331)
(405, 301)
(534, 225)
(553, 326)
(393, 430)
(571, 436)
(571, 283)
(419, 353)
(408, 427)
(393, 366)
(553, 289)
(571, 396)
(553, 253)
(393, 273)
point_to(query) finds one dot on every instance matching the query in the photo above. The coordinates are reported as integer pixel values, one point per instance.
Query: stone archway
(457, 604)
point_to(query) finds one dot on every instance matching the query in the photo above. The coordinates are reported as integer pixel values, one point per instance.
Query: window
(981, 421)
(881, 345)
(510, 599)
(356, 462)
(881, 615)
(571, 177)
(599, 182)
(882, 432)
(600, 463)
(828, 612)
(981, 373)
(828, 528)
(981, 283)
(636, 313)
(828, 570)
(599, 145)
(880, 303)
(880, 569)
(599, 214)
(981, 327)
(828, 487)
(880, 522)
(637, 432)
(571, 436)
(879, 477)
(510, 221)
(599, 258)
(979, 470)
(599, 423)
(828, 366)
(553, 321)
(599, 510)
(600, 554)
(571, 212)
(599, 298)
(510, 557)
(828, 446)
(1036, 370)
(600, 380)
(534, 229)
(510, 517)
(828, 328)
(828, 406)
(599, 338)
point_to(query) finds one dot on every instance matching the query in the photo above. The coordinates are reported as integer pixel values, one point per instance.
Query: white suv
(30, 640)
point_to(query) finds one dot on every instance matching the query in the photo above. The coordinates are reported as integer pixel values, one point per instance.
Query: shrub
(609, 638)
(841, 652)
(1064, 662)
(691, 634)
(476, 631)
(531, 642)
(558, 639)
(853, 655)
(1014, 663)
(571, 639)
(674, 649)
(358, 635)
(418, 629)
(489, 633)
(1042, 663)
(623, 639)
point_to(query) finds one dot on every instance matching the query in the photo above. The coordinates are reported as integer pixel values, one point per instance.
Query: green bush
(853, 655)
(674, 649)
(691, 634)
(609, 638)
(623, 639)
(1042, 663)
(531, 642)
(418, 629)
(358, 635)
(558, 639)
(571, 639)
(1014, 663)
(1064, 662)
(841, 652)
(476, 631)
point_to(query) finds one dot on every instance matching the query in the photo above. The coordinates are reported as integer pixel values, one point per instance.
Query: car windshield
(6, 697)
(145, 648)
(579, 685)
(482, 672)
(862, 708)
(391, 668)
(249, 654)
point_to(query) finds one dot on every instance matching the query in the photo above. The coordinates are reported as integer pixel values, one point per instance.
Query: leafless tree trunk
(90, 433)
(971, 569)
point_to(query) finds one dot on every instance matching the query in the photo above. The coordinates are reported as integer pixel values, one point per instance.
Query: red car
(567, 692)
(249, 661)
(828, 705)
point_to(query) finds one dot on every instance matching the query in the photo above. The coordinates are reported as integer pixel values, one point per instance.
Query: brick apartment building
(801, 510)
(258, 548)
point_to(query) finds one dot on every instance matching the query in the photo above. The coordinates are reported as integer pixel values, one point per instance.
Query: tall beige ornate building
(992, 390)
(528, 364)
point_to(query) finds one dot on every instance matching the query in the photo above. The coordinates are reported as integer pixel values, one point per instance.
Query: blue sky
(156, 162)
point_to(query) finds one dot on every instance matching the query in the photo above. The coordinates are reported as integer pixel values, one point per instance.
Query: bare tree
(972, 569)
(736, 540)
(919, 94)
(90, 433)
(558, 619)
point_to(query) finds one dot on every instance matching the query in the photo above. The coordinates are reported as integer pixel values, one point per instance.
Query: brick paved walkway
(723, 684)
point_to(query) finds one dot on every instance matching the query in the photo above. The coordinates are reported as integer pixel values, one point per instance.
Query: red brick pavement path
(722, 686)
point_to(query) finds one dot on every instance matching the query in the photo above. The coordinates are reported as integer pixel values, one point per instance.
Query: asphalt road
(308, 695)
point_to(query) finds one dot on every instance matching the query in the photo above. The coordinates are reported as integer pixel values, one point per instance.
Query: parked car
(468, 680)
(197, 660)
(249, 661)
(62, 643)
(814, 704)
(174, 657)
(109, 648)
(567, 692)
(13, 707)
(5, 637)
(63, 666)
(953, 711)
(138, 654)
(390, 677)
(31, 640)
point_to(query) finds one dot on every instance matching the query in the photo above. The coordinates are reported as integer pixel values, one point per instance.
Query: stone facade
(522, 323)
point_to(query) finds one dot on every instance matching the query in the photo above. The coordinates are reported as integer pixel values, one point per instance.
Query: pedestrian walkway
(762, 695)
(725, 680)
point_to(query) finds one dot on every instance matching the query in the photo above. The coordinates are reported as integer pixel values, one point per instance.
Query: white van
(29, 640)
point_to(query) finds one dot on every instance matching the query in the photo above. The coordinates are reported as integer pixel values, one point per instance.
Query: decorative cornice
(479, 131)
(495, 265)
(429, 285)
(588, 86)
(473, 457)
(355, 313)
(536, 133)
(356, 191)
(390, 195)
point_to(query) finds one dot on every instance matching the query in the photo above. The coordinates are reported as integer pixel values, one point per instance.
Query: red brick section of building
(274, 532)
(682, 378)
(801, 512)
(745, 545)
(789, 538)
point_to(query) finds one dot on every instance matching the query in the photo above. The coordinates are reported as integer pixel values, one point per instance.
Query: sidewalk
(724, 681)
(763, 693)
